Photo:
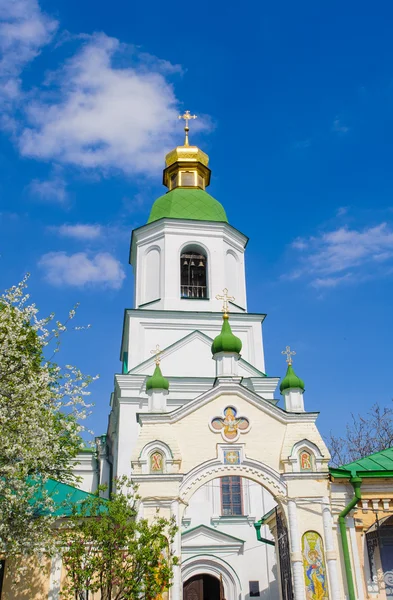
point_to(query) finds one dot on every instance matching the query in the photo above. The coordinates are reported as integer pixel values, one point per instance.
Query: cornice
(155, 230)
(230, 389)
(151, 314)
(160, 478)
(309, 475)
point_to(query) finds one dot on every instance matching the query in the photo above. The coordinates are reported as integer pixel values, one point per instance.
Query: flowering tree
(106, 549)
(41, 408)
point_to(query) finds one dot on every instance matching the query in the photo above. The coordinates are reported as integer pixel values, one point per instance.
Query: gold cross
(157, 351)
(225, 298)
(289, 354)
(187, 117)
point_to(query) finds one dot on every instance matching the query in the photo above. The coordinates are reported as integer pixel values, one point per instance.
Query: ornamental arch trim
(151, 448)
(208, 564)
(305, 445)
(250, 469)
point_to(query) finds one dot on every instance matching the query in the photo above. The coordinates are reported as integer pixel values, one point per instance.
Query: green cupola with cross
(292, 387)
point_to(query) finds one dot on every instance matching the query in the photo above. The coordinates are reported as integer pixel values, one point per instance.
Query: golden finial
(289, 354)
(157, 351)
(187, 117)
(225, 299)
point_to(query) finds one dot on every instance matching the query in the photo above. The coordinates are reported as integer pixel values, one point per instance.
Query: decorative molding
(213, 565)
(225, 520)
(250, 469)
(229, 389)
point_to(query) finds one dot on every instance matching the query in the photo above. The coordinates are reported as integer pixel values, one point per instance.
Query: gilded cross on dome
(289, 354)
(157, 351)
(225, 299)
(187, 117)
(230, 425)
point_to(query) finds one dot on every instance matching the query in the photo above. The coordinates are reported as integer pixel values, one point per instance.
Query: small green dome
(291, 380)
(157, 381)
(226, 341)
(187, 203)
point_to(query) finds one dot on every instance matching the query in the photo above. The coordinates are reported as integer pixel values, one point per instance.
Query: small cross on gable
(289, 353)
(225, 299)
(157, 351)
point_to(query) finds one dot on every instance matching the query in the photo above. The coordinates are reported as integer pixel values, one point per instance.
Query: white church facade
(198, 424)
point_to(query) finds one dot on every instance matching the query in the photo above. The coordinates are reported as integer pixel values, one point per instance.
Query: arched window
(193, 273)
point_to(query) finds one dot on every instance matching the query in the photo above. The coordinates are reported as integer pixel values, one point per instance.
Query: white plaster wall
(171, 236)
(145, 329)
(151, 274)
(256, 561)
(86, 467)
(128, 430)
(264, 440)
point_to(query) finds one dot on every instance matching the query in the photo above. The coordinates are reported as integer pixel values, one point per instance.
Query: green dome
(187, 203)
(291, 380)
(157, 381)
(226, 341)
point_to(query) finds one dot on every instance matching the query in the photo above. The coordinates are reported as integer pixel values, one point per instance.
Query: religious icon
(314, 567)
(231, 457)
(305, 461)
(231, 425)
(156, 462)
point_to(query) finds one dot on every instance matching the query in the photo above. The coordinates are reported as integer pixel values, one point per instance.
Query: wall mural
(230, 425)
(156, 462)
(314, 566)
(305, 461)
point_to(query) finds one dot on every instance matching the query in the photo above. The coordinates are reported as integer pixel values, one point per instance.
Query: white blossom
(42, 406)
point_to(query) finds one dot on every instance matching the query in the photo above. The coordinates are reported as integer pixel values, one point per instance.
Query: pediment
(193, 354)
(203, 539)
(231, 389)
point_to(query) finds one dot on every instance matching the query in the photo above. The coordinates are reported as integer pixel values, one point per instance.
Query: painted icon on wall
(314, 566)
(156, 462)
(305, 461)
(231, 457)
(230, 425)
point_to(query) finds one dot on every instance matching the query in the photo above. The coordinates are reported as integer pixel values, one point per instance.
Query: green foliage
(41, 408)
(107, 549)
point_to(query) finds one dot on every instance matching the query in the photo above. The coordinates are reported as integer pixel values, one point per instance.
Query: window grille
(231, 496)
(193, 269)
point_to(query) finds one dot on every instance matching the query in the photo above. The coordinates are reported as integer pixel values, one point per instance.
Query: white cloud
(103, 116)
(24, 30)
(80, 231)
(345, 255)
(79, 269)
(339, 127)
(341, 211)
(49, 190)
(109, 107)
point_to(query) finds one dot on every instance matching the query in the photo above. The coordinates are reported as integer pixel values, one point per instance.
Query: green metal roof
(379, 464)
(64, 497)
(226, 341)
(291, 380)
(157, 381)
(187, 203)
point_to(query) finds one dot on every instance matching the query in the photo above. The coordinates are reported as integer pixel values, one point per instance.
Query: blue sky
(295, 105)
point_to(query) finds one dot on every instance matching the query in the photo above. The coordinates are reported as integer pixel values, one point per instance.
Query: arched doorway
(202, 587)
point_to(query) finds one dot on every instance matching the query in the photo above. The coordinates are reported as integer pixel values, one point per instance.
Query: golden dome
(189, 154)
(186, 166)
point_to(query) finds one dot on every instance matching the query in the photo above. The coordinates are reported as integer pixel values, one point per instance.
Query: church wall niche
(152, 275)
(232, 274)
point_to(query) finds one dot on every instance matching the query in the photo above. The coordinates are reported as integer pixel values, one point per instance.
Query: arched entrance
(202, 587)
(261, 474)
